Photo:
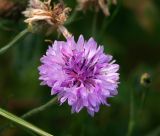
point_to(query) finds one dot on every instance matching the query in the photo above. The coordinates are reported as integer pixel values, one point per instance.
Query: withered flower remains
(97, 4)
(54, 15)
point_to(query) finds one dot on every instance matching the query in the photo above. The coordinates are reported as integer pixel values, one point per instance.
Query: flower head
(79, 73)
(43, 12)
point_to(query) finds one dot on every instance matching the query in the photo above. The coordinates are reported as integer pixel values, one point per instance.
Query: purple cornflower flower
(80, 73)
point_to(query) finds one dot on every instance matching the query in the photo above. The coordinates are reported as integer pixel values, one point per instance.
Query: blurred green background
(131, 34)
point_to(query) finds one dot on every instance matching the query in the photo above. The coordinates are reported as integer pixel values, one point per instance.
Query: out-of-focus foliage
(132, 37)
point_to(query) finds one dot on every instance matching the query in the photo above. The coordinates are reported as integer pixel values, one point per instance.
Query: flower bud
(145, 79)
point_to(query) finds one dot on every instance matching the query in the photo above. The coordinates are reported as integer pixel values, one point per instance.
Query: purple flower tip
(80, 73)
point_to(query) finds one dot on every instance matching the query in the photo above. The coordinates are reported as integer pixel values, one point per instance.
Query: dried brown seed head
(54, 15)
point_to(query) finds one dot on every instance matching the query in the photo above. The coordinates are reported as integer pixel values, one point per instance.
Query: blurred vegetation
(132, 37)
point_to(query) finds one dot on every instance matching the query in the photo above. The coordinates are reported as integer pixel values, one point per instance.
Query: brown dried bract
(97, 4)
(54, 15)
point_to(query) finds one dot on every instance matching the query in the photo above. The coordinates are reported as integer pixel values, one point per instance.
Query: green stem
(94, 24)
(23, 123)
(33, 112)
(39, 109)
(132, 115)
(104, 24)
(10, 44)
(143, 99)
(31, 133)
(72, 17)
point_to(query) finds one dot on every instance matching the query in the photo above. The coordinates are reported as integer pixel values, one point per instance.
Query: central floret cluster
(79, 73)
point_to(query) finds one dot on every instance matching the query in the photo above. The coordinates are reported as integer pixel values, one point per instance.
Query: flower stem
(143, 99)
(132, 115)
(33, 112)
(94, 24)
(64, 31)
(10, 44)
(39, 109)
(104, 24)
(23, 123)
(72, 17)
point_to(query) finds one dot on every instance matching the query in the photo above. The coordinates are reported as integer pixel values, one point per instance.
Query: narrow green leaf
(23, 123)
